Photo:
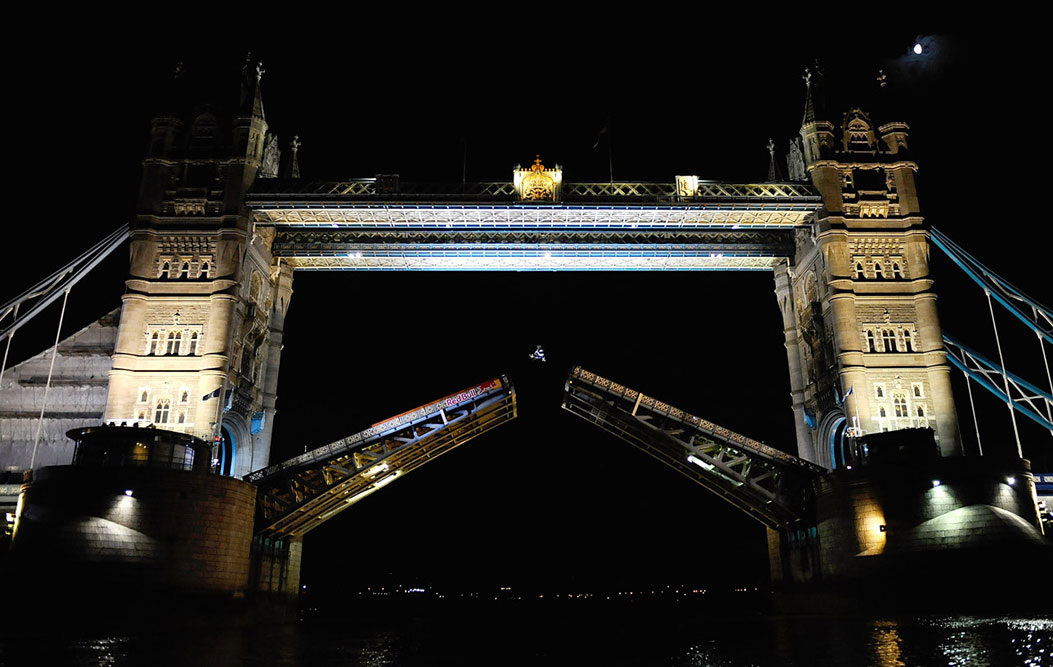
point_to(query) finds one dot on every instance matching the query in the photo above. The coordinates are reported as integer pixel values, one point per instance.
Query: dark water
(504, 636)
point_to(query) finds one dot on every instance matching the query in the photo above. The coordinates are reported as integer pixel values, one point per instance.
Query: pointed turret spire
(294, 167)
(251, 74)
(809, 105)
(774, 172)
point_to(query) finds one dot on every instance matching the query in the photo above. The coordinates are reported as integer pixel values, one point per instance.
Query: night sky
(546, 499)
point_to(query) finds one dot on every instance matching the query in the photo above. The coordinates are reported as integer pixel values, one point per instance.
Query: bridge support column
(784, 295)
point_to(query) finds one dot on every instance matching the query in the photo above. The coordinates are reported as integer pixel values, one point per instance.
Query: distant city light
(917, 48)
(128, 492)
(935, 483)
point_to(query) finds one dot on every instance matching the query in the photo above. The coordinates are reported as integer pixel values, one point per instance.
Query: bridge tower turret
(862, 332)
(202, 317)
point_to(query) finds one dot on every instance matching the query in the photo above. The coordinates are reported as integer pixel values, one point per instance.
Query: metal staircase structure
(771, 486)
(300, 494)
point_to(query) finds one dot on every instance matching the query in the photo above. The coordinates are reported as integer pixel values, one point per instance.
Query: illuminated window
(888, 337)
(161, 413)
(173, 342)
(899, 403)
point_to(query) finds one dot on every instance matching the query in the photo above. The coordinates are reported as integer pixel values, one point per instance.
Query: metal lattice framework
(1024, 397)
(766, 483)
(655, 191)
(298, 495)
(381, 224)
(526, 216)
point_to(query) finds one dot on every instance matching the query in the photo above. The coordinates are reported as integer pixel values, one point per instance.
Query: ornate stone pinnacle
(537, 163)
(259, 71)
(177, 71)
(771, 147)
(881, 78)
(295, 143)
(807, 77)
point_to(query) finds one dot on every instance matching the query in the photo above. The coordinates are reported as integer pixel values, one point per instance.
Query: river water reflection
(510, 636)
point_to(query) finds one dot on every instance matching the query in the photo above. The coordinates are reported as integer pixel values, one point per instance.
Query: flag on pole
(214, 394)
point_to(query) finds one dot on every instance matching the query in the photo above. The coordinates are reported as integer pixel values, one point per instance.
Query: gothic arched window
(878, 270)
(907, 344)
(185, 396)
(184, 271)
(888, 337)
(881, 412)
(193, 344)
(900, 405)
(896, 272)
(860, 274)
(173, 342)
(870, 342)
(161, 413)
(204, 269)
(154, 342)
(921, 411)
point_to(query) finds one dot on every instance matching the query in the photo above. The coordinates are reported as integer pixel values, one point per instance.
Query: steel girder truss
(530, 216)
(771, 486)
(527, 259)
(1024, 397)
(498, 190)
(300, 494)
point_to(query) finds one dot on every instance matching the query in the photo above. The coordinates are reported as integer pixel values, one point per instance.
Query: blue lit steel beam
(298, 495)
(1027, 398)
(1039, 320)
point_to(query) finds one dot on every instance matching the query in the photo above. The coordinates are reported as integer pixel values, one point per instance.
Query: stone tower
(203, 314)
(862, 334)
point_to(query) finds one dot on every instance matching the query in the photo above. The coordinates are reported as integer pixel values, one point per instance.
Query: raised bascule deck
(299, 494)
(768, 484)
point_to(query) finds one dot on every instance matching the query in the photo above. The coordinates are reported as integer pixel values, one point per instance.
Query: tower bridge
(197, 345)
